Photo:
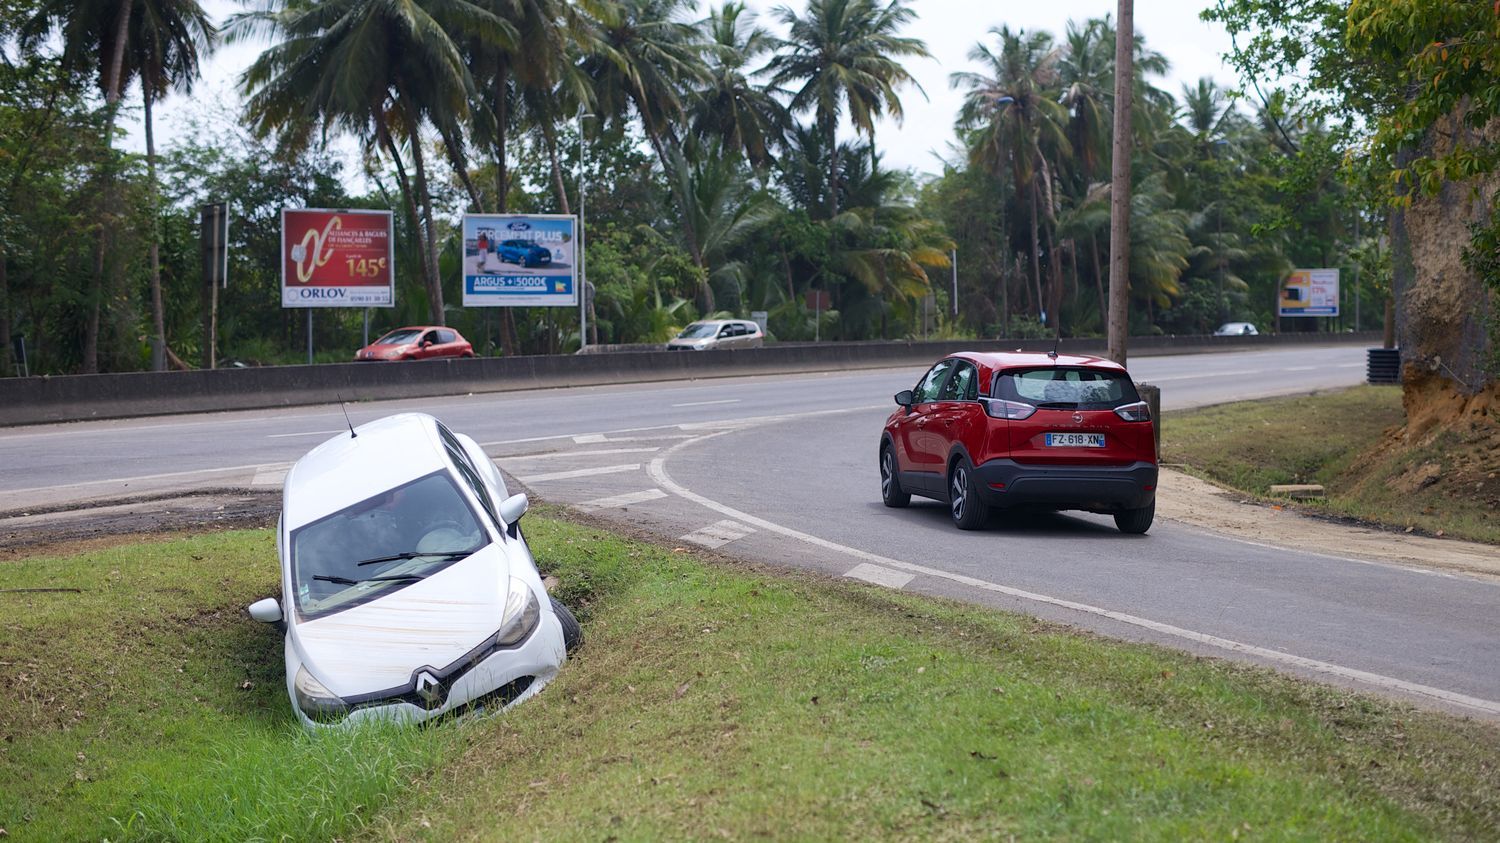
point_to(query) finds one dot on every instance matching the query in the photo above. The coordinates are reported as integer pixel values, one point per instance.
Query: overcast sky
(949, 27)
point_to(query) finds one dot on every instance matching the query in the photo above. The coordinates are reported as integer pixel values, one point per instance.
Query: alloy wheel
(960, 487)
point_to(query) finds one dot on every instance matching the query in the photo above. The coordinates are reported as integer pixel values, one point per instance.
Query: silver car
(718, 333)
(1236, 329)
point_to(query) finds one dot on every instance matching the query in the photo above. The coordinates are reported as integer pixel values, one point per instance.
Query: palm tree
(166, 39)
(1086, 73)
(723, 211)
(843, 54)
(744, 115)
(1018, 121)
(1159, 244)
(645, 59)
(95, 34)
(534, 67)
(380, 69)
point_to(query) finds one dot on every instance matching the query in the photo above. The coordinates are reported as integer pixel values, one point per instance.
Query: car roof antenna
(1055, 343)
(342, 406)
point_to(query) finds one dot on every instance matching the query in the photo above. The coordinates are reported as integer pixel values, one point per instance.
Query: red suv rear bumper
(1007, 483)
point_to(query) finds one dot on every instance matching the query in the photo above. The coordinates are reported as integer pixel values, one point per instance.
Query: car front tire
(968, 511)
(891, 492)
(571, 630)
(1136, 521)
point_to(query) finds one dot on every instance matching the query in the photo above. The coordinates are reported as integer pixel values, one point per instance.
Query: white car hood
(430, 623)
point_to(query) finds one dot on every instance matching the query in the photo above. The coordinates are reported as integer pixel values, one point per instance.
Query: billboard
(337, 258)
(520, 260)
(1310, 292)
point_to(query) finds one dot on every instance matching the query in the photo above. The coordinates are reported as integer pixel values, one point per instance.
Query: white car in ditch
(408, 591)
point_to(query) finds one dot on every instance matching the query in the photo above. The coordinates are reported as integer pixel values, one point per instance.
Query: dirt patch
(1182, 497)
(106, 523)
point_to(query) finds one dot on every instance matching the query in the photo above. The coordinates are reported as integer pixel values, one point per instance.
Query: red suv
(1023, 429)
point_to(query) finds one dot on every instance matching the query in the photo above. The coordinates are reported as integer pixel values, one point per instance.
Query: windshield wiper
(417, 554)
(382, 578)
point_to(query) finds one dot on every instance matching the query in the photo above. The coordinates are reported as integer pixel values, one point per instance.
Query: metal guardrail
(37, 400)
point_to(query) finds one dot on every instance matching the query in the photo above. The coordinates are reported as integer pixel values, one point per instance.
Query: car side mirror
(426, 343)
(513, 507)
(905, 398)
(268, 611)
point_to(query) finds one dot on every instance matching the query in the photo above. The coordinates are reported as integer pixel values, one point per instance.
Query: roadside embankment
(1390, 496)
(138, 701)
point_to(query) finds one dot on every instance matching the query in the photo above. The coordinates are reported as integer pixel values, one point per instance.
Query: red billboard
(337, 258)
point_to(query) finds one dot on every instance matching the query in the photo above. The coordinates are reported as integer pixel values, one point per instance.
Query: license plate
(1075, 440)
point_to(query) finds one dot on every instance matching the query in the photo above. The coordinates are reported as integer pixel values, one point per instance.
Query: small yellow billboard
(1310, 292)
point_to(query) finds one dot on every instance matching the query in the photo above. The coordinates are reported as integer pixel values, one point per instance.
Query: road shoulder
(1199, 503)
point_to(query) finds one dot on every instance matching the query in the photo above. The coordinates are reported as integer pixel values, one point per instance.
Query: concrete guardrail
(37, 400)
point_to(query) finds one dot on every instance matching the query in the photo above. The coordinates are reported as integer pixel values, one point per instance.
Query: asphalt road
(782, 470)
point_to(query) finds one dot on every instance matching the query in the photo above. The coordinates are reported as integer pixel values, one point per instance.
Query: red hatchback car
(421, 342)
(984, 431)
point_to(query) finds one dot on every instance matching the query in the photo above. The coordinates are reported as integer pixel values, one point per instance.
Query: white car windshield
(699, 330)
(381, 544)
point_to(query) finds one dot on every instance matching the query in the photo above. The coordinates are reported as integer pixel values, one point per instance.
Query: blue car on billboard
(523, 253)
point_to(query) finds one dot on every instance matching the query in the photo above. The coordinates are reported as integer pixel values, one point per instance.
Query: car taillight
(1013, 410)
(1140, 411)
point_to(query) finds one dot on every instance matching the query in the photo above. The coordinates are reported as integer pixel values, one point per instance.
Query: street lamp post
(583, 283)
(955, 285)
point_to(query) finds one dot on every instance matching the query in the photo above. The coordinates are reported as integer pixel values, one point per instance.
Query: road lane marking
(879, 575)
(1202, 375)
(589, 438)
(627, 499)
(1299, 368)
(718, 534)
(579, 472)
(706, 403)
(658, 472)
(308, 433)
(552, 455)
(609, 435)
(270, 475)
(128, 480)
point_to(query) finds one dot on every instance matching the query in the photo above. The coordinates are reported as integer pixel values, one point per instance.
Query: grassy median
(1349, 442)
(710, 699)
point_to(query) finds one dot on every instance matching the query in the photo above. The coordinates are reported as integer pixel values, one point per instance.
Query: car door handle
(922, 422)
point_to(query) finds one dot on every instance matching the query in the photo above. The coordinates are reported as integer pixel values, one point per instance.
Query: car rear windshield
(1064, 388)
(412, 530)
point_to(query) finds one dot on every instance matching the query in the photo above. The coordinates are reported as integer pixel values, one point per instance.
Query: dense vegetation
(731, 165)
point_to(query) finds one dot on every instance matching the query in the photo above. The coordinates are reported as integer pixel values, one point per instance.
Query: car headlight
(315, 700)
(522, 611)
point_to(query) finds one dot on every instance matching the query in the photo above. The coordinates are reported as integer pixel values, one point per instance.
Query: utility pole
(953, 253)
(1119, 192)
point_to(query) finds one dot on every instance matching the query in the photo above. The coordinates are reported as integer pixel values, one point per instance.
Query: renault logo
(429, 689)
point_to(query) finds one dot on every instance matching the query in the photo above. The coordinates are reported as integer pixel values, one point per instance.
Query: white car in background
(1236, 329)
(718, 333)
(408, 591)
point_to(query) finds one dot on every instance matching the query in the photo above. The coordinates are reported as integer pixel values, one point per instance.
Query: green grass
(708, 700)
(1338, 440)
(715, 700)
(147, 705)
